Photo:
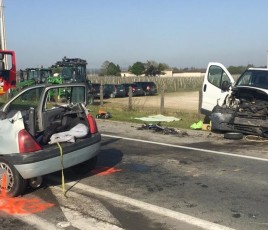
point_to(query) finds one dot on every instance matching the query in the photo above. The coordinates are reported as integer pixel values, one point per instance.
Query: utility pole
(267, 59)
(2, 25)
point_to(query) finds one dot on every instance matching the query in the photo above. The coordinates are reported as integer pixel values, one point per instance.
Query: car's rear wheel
(11, 181)
(85, 167)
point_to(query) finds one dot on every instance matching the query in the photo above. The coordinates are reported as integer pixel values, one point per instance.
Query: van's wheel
(90, 99)
(233, 136)
(13, 184)
(85, 167)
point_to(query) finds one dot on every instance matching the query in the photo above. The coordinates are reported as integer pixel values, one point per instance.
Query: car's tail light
(27, 143)
(92, 124)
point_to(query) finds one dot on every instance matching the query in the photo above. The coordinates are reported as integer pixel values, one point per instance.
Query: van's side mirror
(225, 85)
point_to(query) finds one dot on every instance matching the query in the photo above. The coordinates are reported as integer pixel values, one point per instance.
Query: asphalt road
(146, 180)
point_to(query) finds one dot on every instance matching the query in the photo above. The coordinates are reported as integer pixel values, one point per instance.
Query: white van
(240, 106)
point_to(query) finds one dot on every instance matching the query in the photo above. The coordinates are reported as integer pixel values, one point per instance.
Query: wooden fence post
(162, 100)
(130, 98)
(101, 95)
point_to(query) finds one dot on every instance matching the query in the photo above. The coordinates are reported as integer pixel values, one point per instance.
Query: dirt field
(186, 101)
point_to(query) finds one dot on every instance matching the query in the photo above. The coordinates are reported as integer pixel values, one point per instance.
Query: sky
(180, 33)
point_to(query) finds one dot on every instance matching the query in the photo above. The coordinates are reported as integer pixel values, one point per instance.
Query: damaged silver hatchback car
(240, 106)
(43, 129)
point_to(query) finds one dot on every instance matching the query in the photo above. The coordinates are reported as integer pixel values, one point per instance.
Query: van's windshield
(254, 78)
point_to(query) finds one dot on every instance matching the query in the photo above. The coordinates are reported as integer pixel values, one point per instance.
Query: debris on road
(157, 128)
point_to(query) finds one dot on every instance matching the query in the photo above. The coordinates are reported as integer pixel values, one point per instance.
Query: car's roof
(262, 69)
(112, 84)
(129, 84)
(145, 82)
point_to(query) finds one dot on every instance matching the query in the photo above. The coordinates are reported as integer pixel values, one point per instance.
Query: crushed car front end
(244, 110)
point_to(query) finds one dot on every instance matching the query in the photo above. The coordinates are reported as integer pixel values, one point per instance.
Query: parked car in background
(114, 90)
(96, 90)
(39, 123)
(239, 106)
(149, 87)
(136, 90)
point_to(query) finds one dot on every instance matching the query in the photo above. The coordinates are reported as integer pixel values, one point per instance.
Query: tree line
(153, 68)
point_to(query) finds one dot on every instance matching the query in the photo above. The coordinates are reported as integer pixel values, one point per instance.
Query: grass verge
(187, 118)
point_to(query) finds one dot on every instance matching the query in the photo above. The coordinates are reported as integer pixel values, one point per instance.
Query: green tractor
(70, 70)
(39, 75)
(31, 76)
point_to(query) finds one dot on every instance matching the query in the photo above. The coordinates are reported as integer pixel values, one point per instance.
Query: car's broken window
(25, 101)
(64, 95)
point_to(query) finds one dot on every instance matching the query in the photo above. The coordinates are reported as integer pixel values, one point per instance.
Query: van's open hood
(250, 93)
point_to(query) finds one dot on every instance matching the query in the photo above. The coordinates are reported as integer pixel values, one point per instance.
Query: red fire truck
(7, 71)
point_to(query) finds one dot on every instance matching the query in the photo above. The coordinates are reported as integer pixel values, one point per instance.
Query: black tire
(15, 184)
(233, 136)
(90, 99)
(85, 167)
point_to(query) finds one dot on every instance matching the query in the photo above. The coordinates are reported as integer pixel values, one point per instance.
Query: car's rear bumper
(49, 160)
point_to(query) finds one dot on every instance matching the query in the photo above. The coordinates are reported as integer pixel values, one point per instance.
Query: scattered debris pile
(157, 128)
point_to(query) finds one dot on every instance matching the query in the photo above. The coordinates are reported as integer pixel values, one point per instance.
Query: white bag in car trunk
(78, 131)
(9, 129)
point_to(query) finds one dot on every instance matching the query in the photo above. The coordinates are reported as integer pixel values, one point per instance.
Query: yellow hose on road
(62, 169)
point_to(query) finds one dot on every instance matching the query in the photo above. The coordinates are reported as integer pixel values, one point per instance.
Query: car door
(212, 94)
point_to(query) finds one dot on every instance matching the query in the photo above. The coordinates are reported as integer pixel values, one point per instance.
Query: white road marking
(186, 147)
(36, 222)
(149, 207)
(79, 210)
